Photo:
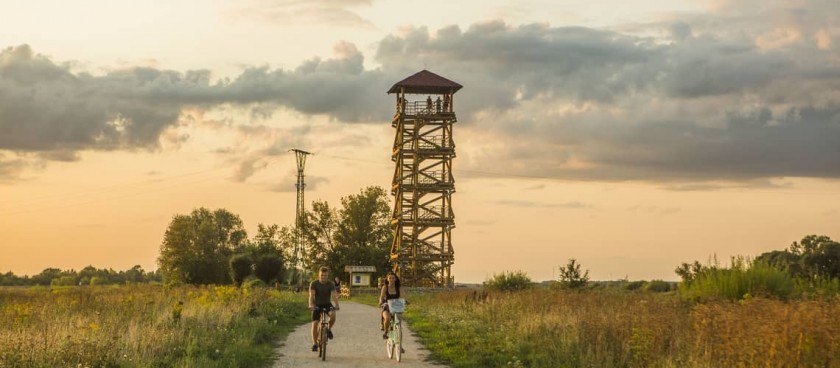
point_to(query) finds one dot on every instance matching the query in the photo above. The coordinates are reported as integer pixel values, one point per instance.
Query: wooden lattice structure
(421, 253)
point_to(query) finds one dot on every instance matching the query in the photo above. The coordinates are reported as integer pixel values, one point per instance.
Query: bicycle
(393, 345)
(323, 329)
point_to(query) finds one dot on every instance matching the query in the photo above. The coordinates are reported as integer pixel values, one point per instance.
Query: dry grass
(608, 328)
(141, 326)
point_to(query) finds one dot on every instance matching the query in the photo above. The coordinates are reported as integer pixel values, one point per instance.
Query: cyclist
(321, 291)
(391, 290)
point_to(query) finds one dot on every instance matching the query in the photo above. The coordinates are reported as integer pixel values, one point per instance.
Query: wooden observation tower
(421, 253)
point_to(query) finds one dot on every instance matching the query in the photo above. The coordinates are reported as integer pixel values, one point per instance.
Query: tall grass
(741, 279)
(143, 326)
(608, 328)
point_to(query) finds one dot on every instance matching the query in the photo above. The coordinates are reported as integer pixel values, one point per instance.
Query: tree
(240, 268)
(269, 267)
(357, 234)
(820, 257)
(269, 248)
(571, 277)
(196, 247)
(814, 257)
(364, 232)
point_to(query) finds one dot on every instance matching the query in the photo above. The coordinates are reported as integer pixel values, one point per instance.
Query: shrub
(658, 286)
(635, 285)
(268, 268)
(571, 277)
(742, 278)
(240, 268)
(509, 281)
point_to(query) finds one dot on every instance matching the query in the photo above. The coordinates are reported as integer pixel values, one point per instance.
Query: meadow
(144, 326)
(618, 328)
(225, 326)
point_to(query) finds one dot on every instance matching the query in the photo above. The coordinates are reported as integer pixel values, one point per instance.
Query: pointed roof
(425, 82)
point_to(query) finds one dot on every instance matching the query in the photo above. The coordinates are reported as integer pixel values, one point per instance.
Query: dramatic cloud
(587, 104)
(731, 96)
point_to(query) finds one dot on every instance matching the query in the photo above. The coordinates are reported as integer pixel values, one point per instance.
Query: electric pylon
(300, 212)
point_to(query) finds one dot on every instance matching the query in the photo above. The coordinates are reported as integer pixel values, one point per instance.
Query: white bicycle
(393, 344)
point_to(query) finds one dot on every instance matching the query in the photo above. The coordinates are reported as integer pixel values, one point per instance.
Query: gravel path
(358, 343)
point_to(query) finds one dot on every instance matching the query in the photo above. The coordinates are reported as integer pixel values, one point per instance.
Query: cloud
(532, 204)
(300, 12)
(720, 96)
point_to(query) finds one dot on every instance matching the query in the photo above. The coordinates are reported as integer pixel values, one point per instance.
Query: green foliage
(196, 248)
(268, 268)
(815, 257)
(87, 276)
(741, 279)
(571, 276)
(240, 268)
(658, 286)
(509, 281)
(635, 285)
(358, 233)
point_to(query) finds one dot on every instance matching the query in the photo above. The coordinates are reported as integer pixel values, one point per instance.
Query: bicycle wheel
(398, 349)
(323, 354)
(389, 342)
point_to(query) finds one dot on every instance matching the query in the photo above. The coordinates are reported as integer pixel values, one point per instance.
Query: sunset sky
(630, 135)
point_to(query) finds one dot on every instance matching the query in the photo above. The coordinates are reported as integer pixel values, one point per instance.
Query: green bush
(658, 286)
(741, 279)
(509, 281)
(571, 276)
(635, 285)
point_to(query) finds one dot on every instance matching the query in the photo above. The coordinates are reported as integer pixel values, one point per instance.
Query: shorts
(316, 313)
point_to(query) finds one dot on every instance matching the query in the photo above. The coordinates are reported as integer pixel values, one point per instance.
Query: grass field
(156, 326)
(611, 328)
(144, 326)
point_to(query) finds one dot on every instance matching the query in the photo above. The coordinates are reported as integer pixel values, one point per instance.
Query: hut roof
(425, 82)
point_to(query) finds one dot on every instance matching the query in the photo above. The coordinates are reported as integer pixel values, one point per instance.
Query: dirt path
(358, 343)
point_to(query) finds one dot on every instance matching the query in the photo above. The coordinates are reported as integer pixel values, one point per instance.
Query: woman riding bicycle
(391, 290)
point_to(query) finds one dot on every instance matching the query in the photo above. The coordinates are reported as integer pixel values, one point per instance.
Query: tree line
(212, 247)
(87, 276)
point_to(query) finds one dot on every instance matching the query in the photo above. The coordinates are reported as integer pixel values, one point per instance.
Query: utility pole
(300, 212)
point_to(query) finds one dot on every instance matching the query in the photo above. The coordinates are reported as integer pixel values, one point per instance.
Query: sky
(630, 136)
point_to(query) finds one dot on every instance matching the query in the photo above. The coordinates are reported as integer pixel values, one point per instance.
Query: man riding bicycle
(321, 291)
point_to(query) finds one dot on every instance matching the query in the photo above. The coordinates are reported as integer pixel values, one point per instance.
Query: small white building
(360, 275)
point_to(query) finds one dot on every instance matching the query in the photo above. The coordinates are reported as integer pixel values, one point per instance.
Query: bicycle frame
(323, 327)
(393, 344)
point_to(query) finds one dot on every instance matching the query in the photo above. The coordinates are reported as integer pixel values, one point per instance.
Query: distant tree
(268, 268)
(814, 257)
(356, 234)
(318, 234)
(364, 231)
(269, 248)
(820, 256)
(240, 268)
(134, 275)
(571, 276)
(196, 248)
(689, 271)
(65, 280)
(46, 276)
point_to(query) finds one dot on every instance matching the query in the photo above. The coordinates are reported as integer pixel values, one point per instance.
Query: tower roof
(425, 82)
